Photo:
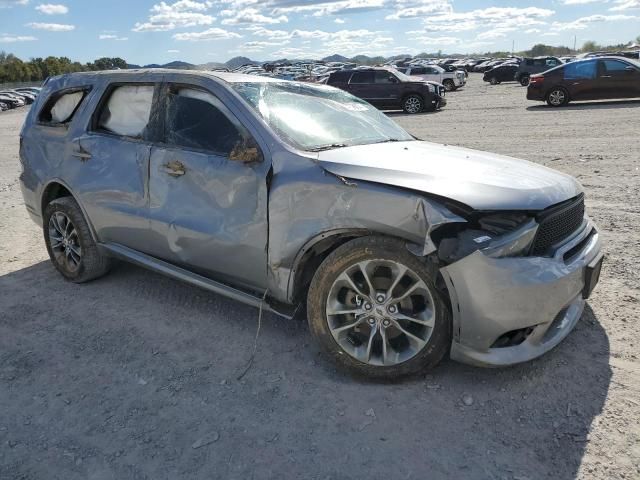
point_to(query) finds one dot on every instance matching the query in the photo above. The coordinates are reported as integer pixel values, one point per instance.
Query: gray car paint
(252, 226)
(483, 181)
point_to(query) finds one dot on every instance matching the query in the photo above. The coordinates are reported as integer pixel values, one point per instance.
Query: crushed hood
(481, 180)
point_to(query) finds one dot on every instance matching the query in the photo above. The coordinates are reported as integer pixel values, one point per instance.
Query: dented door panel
(213, 218)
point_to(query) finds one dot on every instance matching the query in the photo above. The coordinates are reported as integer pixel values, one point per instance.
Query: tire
(557, 97)
(494, 81)
(413, 104)
(524, 80)
(449, 86)
(70, 244)
(355, 340)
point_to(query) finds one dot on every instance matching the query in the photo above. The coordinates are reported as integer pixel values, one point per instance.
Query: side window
(430, 71)
(61, 107)
(614, 66)
(580, 71)
(529, 61)
(551, 62)
(127, 110)
(198, 120)
(362, 77)
(385, 77)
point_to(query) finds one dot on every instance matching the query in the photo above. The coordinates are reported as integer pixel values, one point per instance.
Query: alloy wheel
(64, 242)
(380, 312)
(557, 97)
(413, 105)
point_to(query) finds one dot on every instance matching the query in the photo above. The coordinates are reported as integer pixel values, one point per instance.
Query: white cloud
(622, 5)
(51, 27)
(250, 16)
(52, 9)
(210, 34)
(12, 3)
(533, 30)
(580, 2)
(585, 22)
(438, 41)
(495, 33)
(183, 13)
(8, 38)
(173, 51)
(112, 37)
(339, 21)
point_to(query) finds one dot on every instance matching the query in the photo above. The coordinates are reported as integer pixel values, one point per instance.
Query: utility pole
(513, 47)
(575, 39)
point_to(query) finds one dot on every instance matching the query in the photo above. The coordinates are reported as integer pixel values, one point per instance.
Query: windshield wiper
(389, 140)
(327, 147)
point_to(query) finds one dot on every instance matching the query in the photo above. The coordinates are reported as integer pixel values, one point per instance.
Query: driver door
(208, 190)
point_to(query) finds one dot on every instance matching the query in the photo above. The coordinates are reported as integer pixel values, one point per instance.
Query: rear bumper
(535, 93)
(539, 297)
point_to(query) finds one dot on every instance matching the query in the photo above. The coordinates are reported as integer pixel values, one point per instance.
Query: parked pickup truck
(433, 73)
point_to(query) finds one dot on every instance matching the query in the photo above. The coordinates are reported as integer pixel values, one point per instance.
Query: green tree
(590, 46)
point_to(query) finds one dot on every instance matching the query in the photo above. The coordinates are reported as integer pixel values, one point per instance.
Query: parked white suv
(434, 73)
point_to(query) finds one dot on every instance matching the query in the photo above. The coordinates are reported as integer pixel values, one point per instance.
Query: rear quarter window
(61, 107)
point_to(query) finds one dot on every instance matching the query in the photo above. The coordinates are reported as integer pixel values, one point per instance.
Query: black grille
(557, 223)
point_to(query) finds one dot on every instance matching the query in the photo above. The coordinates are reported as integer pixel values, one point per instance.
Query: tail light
(536, 79)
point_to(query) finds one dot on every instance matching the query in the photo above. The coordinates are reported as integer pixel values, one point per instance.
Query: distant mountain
(335, 58)
(236, 62)
(179, 65)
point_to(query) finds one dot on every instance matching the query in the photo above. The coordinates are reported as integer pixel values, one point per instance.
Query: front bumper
(540, 298)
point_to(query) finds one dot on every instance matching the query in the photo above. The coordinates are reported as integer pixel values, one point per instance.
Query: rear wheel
(413, 104)
(374, 309)
(524, 80)
(70, 244)
(449, 86)
(494, 81)
(558, 97)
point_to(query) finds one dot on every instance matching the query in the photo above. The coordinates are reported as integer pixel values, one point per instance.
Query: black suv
(529, 66)
(390, 89)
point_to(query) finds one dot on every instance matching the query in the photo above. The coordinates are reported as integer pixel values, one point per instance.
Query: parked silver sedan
(281, 194)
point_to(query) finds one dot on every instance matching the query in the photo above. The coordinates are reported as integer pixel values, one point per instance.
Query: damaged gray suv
(278, 193)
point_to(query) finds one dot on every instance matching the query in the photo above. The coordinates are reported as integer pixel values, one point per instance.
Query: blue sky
(199, 31)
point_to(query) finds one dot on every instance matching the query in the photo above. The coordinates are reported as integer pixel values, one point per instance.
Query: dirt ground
(134, 376)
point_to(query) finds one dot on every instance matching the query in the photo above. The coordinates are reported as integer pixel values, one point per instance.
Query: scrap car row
(18, 97)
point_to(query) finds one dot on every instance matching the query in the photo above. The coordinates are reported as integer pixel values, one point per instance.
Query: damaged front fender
(307, 205)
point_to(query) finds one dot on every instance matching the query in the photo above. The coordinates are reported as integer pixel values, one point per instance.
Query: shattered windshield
(313, 118)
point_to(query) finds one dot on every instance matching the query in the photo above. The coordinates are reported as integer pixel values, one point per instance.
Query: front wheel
(413, 104)
(524, 80)
(373, 307)
(494, 81)
(449, 86)
(558, 97)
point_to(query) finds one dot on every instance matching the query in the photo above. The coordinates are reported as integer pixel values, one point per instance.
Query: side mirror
(629, 69)
(246, 151)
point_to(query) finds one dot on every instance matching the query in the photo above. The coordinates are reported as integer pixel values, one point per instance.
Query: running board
(165, 268)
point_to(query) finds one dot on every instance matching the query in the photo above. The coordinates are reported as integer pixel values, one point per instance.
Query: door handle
(174, 168)
(82, 155)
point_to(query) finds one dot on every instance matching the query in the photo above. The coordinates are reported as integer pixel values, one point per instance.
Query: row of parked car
(517, 69)
(18, 97)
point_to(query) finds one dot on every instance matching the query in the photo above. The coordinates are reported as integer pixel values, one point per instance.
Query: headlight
(497, 235)
(432, 89)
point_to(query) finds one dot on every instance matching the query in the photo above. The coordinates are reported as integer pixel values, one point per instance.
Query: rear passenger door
(110, 162)
(580, 79)
(361, 84)
(208, 190)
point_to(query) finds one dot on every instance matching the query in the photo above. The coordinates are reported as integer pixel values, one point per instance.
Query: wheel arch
(318, 248)
(57, 188)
